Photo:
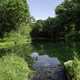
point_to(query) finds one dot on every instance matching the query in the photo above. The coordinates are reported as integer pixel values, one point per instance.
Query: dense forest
(19, 32)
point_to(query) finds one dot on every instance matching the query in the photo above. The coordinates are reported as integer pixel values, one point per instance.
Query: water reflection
(43, 61)
(47, 68)
(57, 49)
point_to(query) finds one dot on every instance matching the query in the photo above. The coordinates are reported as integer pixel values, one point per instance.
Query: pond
(44, 61)
(51, 66)
(61, 50)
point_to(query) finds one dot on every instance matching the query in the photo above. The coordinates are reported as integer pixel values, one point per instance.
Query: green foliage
(16, 42)
(13, 39)
(73, 68)
(14, 33)
(70, 12)
(50, 29)
(14, 68)
(12, 14)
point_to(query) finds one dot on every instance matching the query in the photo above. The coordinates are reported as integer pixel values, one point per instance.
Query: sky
(42, 9)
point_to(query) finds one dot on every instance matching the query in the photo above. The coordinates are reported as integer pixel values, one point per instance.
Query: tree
(70, 11)
(12, 14)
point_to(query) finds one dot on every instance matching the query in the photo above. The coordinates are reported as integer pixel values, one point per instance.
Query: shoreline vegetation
(21, 34)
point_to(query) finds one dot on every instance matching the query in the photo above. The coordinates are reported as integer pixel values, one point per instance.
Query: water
(44, 61)
(50, 55)
(58, 49)
(48, 68)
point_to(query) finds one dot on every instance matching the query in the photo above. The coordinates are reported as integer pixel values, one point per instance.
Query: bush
(73, 69)
(14, 68)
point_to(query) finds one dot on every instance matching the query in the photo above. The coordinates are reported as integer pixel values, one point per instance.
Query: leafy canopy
(12, 14)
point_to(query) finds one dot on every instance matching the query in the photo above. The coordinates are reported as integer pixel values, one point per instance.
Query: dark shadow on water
(61, 50)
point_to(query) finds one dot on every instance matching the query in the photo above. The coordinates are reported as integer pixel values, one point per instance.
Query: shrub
(73, 69)
(14, 68)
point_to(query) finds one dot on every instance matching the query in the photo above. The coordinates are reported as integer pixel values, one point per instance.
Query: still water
(61, 50)
(44, 61)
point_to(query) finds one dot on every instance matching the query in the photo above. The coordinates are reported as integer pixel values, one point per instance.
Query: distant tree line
(47, 29)
(64, 26)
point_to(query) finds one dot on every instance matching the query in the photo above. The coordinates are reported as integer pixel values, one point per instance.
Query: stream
(47, 68)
